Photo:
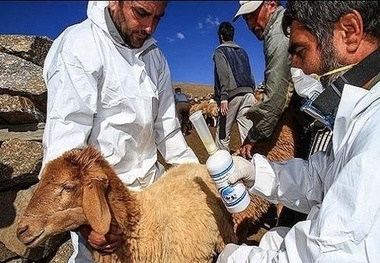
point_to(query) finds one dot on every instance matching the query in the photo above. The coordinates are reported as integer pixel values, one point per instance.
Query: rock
(64, 252)
(19, 110)
(19, 77)
(26, 132)
(30, 48)
(6, 254)
(23, 98)
(20, 163)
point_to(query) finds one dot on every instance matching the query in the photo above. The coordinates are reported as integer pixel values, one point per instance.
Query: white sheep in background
(179, 218)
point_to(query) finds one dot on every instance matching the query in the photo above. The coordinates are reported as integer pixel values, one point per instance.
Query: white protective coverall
(118, 99)
(339, 190)
(123, 105)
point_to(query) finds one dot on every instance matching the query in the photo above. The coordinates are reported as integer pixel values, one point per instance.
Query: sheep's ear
(95, 207)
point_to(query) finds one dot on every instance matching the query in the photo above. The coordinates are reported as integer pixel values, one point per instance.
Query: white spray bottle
(219, 165)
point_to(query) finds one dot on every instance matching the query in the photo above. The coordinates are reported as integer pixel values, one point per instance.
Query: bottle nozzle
(204, 133)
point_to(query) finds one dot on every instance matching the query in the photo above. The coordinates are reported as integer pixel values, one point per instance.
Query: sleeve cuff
(252, 136)
(266, 180)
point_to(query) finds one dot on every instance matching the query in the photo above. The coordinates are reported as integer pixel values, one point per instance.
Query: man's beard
(330, 62)
(121, 25)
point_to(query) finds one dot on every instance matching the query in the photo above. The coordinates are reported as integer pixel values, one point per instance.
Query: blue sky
(187, 34)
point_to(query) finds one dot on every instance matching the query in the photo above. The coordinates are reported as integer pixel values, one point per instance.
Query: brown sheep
(209, 110)
(202, 105)
(282, 144)
(179, 218)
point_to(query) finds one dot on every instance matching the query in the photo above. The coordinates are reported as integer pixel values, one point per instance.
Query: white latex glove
(227, 251)
(244, 170)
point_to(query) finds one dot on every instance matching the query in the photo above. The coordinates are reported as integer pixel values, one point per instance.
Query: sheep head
(71, 192)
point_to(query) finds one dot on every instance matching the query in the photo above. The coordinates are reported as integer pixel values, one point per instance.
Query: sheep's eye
(68, 188)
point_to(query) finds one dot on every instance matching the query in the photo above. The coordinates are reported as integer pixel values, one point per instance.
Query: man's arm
(71, 103)
(341, 229)
(169, 138)
(222, 73)
(278, 88)
(278, 91)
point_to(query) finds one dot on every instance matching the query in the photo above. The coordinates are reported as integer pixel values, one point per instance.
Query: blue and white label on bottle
(233, 194)
(235, 197)
(221, 178)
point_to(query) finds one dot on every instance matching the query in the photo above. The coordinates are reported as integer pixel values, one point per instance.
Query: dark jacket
(232, 72)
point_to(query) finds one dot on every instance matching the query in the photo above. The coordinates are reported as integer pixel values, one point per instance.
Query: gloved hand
(244, 170)
(227, 251)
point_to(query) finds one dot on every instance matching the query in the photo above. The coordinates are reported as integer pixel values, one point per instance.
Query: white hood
(95, 12)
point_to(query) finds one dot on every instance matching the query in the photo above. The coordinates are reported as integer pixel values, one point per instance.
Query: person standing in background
(233, 88)
(182, 106)
(109, 86)
(263, 19)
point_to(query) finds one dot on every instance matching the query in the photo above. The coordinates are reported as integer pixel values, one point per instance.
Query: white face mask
(305, 85)
(309, 87)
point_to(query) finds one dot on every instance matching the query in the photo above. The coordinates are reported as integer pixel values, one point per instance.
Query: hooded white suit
(103, 93)
(113, 97)
(339, 190)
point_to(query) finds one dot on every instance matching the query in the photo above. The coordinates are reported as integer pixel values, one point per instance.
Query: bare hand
(224, 107)
(104, 244)
(246, 149)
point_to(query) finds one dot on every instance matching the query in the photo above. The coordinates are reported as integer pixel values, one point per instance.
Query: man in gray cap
(264, 19)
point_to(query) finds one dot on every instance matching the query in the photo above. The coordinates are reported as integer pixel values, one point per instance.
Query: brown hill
(194, 89)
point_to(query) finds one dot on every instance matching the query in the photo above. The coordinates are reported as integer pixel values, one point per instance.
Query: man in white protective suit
(109, 86)
(338, 188)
